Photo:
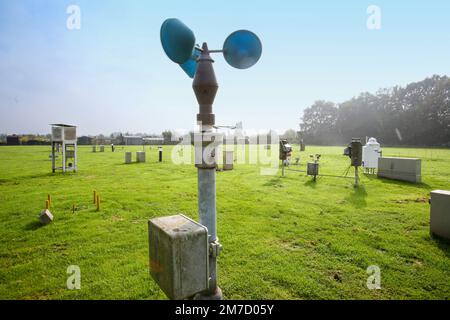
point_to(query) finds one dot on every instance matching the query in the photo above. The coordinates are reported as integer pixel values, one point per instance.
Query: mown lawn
(283, 237)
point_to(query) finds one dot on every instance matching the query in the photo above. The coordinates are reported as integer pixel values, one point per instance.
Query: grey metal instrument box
(312, 169)
(178, 251)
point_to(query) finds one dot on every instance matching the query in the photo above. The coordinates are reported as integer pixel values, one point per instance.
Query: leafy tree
(319, 122)
(418, 114)
(291, 136)
(167, 135)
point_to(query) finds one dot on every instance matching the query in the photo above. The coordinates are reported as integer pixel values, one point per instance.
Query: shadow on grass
(137, 163)
(311, 183)
(421, 185)
(273, 182)
(442, 244)
(358, 197)
(34, 225)
(33, 176)
(369, 176)
(48, 174)
(128, 164)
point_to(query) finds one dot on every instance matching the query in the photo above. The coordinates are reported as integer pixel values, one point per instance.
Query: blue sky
(112, 74)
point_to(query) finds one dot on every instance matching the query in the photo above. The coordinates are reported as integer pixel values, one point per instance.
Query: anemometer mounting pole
(241, 50)
(205, 87)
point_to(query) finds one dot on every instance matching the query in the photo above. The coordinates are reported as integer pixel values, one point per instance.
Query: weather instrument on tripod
(183, 253)
(285, 154)
(354, 152)
(312, 168)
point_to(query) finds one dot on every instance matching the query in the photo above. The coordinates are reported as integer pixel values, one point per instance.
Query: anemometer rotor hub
(205, 55)
(205, 87)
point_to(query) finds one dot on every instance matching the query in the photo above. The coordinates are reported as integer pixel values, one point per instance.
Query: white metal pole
(64, 157)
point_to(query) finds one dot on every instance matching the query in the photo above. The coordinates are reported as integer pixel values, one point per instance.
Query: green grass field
(283, 237)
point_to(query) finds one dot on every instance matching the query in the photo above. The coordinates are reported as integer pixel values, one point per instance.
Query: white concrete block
(128, 157)
(140, 156)
(228, 160)
(45, 216)
(404, 169)
(440, 213)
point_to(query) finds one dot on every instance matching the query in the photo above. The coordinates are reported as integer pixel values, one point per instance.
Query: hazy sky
(112, 74)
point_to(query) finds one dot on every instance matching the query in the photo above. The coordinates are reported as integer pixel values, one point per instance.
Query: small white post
(64, 157)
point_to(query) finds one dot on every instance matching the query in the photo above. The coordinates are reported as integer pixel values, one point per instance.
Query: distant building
(154, 141)
(133, 140)
(102, 140)
(13, 140)
(118, 140)
(36, 142)
(85, 140)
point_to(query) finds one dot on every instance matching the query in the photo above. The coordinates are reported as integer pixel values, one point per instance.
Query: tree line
(415, 115)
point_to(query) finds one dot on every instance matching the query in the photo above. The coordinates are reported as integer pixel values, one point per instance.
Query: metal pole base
(210, 296)
(356, 178)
